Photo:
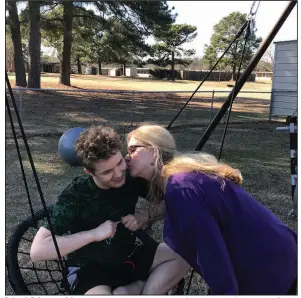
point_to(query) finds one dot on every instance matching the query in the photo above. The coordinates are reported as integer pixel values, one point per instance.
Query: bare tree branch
(55, 5)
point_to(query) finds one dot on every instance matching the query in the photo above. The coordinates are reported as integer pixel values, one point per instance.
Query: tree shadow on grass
(55, 112)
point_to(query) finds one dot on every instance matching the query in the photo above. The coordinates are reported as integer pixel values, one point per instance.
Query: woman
(231, 240)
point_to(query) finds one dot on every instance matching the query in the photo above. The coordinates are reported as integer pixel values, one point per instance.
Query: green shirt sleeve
(64, 212)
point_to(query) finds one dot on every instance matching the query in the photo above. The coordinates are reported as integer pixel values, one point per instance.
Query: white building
(131, 71)
(143, 73)
(285, 81)
(264, 75)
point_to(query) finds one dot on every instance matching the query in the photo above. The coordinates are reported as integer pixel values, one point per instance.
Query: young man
(93, 221)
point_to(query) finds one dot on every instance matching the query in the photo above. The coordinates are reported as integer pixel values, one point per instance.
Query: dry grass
(54, 112)
(261, 153)
(49, 80)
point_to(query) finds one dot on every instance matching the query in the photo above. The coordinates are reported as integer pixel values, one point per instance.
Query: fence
(195, 75)
(218, 76)
(160, 73)
(45, 111)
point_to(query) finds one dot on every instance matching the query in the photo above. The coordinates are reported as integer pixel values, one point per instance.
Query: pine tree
(223, 34)
(169, 50)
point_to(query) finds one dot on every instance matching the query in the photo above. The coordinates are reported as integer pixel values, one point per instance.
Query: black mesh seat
(26, 277)
(42, 278)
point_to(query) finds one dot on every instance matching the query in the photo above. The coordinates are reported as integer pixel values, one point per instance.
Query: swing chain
(253, 11)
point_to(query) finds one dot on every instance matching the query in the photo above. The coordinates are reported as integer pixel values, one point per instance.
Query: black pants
(135, 268)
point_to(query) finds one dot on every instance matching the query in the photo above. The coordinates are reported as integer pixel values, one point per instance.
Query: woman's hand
(135, 222)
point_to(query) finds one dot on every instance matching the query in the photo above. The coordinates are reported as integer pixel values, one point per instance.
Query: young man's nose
(118, 173)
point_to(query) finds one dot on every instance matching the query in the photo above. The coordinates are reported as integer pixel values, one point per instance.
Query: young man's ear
(87, 172)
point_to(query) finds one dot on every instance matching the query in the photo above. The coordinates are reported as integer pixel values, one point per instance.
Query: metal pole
(293, 155)
(271, 103)
(132, 113)
(211, 109)
(252, 64)
(21, 103)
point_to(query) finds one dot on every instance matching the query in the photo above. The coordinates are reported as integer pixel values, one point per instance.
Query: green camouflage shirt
(83, 206)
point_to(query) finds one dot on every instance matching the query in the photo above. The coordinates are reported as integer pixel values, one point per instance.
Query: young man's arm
(64, 216)
(43, 248)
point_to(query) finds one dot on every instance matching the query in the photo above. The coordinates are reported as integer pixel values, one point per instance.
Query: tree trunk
(79, 66)
(99, 66)
(233, 72)
(234, 62)
(173, 66)
(124, 66)
(34, 72)
(66, 55)
(14, 25)
(9, 54)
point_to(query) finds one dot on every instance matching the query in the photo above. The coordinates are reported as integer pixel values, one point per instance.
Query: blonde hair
(201, 162)
(169, 162)
(164, 146)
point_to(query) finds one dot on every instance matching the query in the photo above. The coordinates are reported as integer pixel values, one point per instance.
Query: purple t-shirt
(235, 243)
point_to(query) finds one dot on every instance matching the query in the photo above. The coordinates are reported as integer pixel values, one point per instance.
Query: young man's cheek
(123, 168)
(106, 178)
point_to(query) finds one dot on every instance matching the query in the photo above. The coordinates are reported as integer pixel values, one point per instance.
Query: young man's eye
(106, 172)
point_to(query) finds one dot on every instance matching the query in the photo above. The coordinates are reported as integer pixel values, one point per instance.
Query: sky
(205, 14)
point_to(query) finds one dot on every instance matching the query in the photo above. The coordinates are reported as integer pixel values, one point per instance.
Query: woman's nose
(127, 158)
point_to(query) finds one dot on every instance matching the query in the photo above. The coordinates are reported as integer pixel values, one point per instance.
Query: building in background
(285, 79)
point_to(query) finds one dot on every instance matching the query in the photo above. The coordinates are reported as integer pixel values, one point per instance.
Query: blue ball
(66, 145)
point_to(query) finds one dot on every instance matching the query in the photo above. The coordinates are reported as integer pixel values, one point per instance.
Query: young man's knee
(121, 291)
(100, 290)
(164, 254)
(134, 288)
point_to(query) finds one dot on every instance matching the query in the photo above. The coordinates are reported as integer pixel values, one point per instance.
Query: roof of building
(285, 41)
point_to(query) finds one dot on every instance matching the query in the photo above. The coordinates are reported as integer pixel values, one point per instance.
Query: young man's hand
(135, 222)
(104, 231)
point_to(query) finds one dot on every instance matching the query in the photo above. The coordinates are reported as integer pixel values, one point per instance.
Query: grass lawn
(259, 151)
(50, 80)
(252, 144)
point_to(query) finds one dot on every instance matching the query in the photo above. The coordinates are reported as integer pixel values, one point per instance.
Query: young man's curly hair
(95, 143)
